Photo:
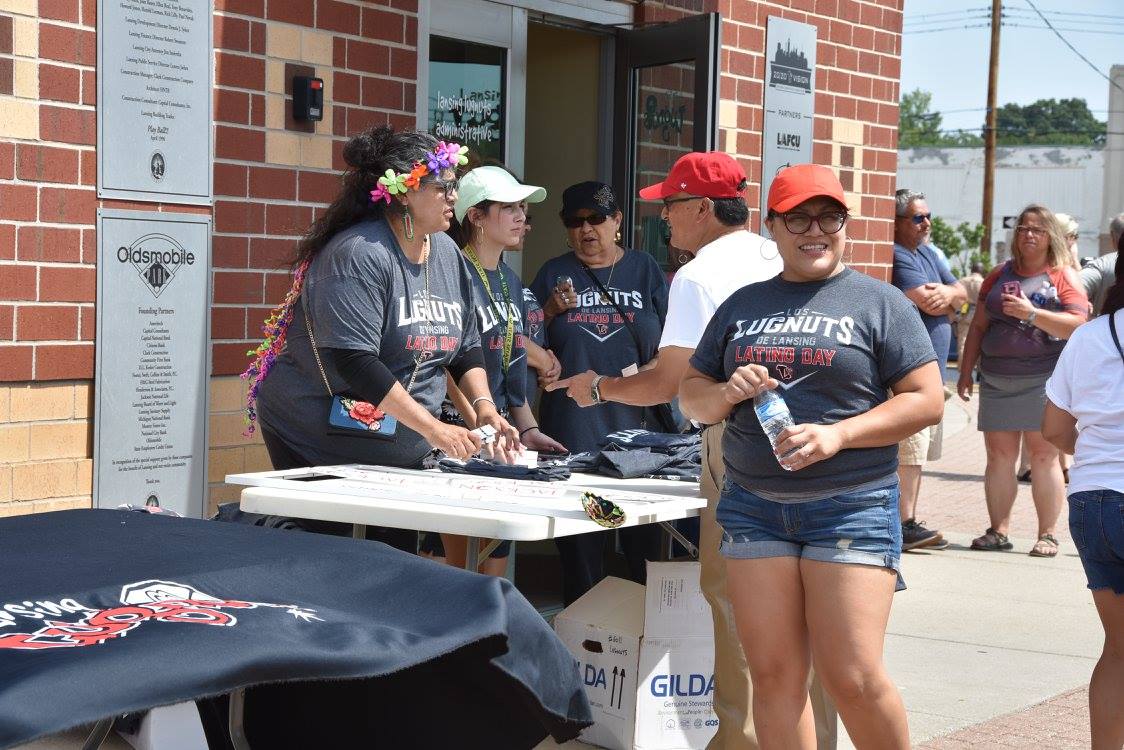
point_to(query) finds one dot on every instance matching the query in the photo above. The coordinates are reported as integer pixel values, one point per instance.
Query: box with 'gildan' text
(646, 658)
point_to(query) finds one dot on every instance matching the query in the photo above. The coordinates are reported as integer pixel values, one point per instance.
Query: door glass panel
(467, 95)
(663, 131)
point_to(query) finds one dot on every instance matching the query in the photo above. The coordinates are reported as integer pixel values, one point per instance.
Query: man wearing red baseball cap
(704, 206)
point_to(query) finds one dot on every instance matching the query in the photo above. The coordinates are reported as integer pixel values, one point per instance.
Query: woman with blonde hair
(1028, 307)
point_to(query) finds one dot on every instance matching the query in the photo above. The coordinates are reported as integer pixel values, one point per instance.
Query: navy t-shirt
(363, 294)
(835, 346)
(507, 388)
(913, 269)
(594, 337)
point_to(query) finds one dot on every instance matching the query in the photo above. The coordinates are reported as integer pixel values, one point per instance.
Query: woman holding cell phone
(1028, 307)
(604, 308)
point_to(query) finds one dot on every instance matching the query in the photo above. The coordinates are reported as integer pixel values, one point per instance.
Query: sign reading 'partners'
(790, 99)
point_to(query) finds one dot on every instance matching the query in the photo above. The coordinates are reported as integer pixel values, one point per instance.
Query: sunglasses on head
(575, 222)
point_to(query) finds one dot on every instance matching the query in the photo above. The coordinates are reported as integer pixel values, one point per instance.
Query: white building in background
(1069, 179)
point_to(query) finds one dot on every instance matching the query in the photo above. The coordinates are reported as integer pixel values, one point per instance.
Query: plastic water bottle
(775, 418)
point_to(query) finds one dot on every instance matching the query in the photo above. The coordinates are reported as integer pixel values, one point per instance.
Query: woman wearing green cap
(490, 213)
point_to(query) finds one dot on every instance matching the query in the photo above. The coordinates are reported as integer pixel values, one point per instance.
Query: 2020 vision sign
(153, 363)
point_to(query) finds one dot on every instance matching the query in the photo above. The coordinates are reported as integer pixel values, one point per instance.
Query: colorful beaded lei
(276, 326)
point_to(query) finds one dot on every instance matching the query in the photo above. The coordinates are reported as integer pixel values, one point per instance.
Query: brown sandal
(992, 541)
(1046, 546)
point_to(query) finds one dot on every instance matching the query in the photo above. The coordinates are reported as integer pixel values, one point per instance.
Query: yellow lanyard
(509, 336)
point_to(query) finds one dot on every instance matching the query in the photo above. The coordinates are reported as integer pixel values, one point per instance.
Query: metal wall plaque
(153, 360)
(154, 100)
(790, 99)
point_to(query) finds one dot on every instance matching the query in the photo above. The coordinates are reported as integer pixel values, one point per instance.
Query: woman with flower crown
(381, 307)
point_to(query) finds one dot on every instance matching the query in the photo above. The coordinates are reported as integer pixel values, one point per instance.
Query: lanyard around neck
(505, 315)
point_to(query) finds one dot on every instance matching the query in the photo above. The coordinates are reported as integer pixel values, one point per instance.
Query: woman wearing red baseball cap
(811, 533)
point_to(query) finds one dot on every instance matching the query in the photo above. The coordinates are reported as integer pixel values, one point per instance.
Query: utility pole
(989, 130)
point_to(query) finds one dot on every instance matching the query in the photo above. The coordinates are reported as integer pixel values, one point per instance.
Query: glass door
(667, 79)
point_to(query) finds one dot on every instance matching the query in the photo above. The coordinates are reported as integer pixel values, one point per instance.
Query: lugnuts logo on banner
(157, 258)
(69, 624)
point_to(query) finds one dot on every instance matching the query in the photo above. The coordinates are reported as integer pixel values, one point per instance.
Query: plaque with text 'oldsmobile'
(153, 360)
(154, 100)
(790, 100)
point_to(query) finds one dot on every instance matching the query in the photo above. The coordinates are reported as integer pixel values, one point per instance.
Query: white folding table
(472, 506)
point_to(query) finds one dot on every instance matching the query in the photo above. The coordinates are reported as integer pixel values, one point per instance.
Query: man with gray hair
(1099, 275)
(932, 288)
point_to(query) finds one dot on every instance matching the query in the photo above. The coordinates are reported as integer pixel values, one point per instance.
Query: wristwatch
(1030, 318)
(595, 390)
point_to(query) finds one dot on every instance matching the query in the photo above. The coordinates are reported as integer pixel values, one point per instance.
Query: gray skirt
(1011, 402)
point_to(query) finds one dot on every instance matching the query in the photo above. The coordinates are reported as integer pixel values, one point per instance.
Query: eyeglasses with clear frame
(799, 222)
(669, 202)
(1031, 231)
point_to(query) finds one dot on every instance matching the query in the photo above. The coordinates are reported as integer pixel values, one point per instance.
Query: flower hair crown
(445, 156)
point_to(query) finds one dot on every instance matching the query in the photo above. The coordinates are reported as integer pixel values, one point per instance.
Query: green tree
(960, 244)
(1049, 122)
(917, 126)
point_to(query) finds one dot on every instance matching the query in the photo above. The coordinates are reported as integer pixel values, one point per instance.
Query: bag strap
(628, 323)
(316, 350)
(1115, 338)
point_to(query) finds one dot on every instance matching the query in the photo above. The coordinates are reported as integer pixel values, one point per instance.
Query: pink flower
(367, 413)
(380, 193)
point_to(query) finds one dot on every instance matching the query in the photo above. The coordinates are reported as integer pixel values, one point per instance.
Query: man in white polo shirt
(707, 214)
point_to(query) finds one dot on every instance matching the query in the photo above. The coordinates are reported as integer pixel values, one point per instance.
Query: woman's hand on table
(536, 440)
(812, 442)
(505, 446)
(453, 441)
(746, 382)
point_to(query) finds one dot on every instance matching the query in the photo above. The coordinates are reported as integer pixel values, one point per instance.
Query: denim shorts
(1096, 523)
(862, 528)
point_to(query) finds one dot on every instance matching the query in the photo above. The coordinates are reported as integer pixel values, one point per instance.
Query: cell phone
(1013, 288)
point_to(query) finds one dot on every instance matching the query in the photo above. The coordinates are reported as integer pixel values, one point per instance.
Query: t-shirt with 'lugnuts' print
(835, 346)
(363, 294)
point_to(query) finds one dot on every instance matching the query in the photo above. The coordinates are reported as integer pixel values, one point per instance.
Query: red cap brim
(792, 201)
(657, 191)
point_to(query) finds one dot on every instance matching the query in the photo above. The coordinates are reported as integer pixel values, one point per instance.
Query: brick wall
(858, 66)
(271, 177)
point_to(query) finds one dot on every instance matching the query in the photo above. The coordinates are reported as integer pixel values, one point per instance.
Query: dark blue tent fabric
(105, 612)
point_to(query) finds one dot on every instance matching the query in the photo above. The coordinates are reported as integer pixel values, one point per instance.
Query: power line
(946, 28)
(1074, 49)
(1056, 30)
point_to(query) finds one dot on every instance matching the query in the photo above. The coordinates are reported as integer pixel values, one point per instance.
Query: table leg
(234, 720)
(472, 554)
(669, 527)
(98, 734)
(358, 531)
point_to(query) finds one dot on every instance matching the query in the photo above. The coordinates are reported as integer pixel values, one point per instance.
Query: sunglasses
(669, 202)
(601, 511)
(449, 187)
(920, 219)
(575, 222)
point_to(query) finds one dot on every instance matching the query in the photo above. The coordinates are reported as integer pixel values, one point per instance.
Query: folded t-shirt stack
(631, 454)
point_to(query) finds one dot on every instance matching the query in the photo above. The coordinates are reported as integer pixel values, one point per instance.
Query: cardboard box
(619, 630)
(602, 629)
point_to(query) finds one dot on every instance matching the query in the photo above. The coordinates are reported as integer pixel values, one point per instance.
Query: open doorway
(565, 128)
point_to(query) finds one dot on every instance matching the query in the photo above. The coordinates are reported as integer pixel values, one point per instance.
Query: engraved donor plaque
(153, 363)
(154, 100)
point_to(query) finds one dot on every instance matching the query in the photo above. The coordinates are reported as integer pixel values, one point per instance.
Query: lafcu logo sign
(157, 258)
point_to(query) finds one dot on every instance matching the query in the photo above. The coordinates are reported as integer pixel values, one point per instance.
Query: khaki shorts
(920, 447)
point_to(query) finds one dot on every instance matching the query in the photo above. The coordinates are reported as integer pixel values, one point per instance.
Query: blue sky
(1034, 64)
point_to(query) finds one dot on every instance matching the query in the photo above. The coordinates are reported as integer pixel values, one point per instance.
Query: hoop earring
(568, 243)
(683, 258)
(408, 224)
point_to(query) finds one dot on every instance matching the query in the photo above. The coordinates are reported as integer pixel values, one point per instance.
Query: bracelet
(524, 432)
(1031, 318)
(478, 399)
